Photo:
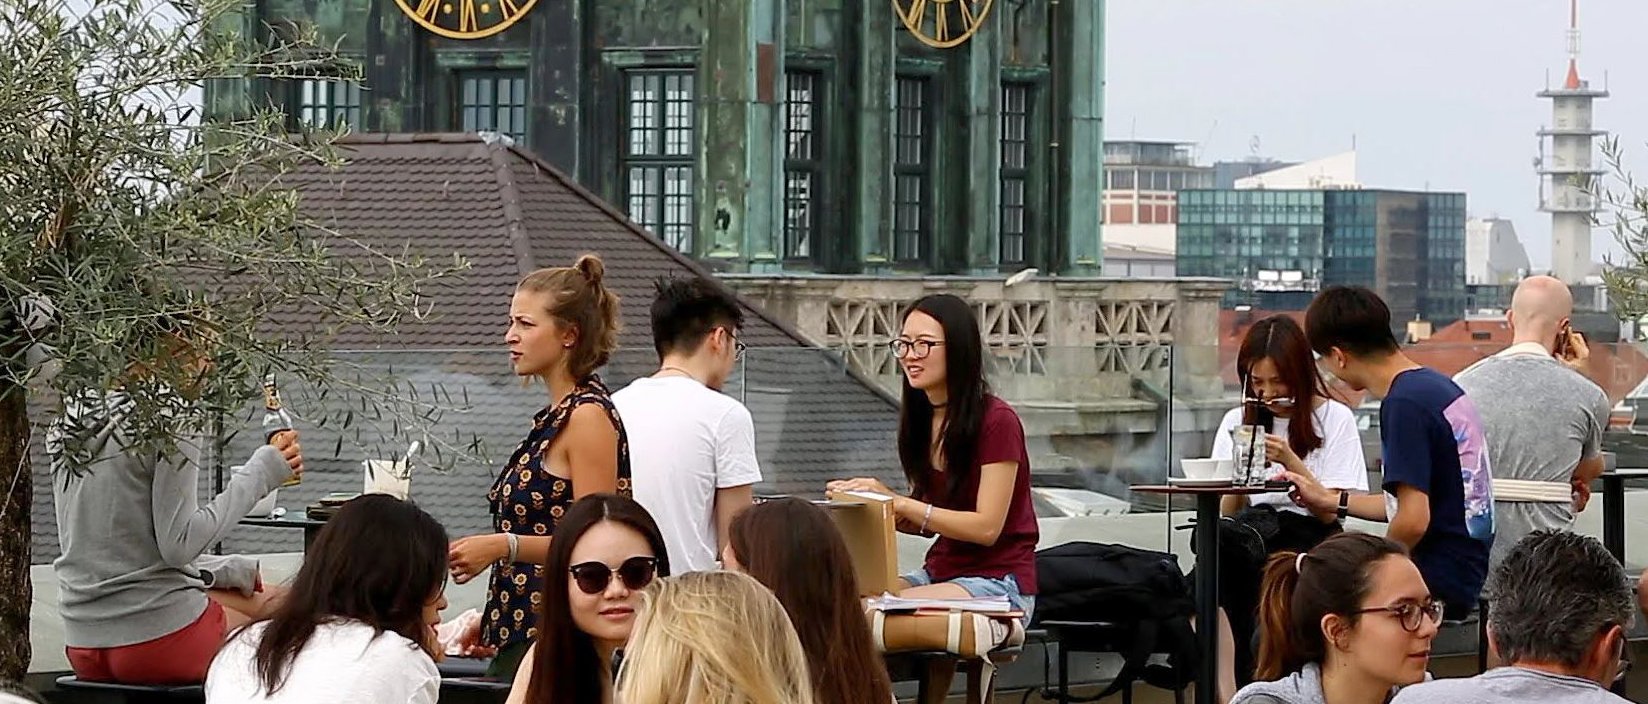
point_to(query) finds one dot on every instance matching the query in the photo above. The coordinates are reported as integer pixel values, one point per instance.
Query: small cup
(1200, 468)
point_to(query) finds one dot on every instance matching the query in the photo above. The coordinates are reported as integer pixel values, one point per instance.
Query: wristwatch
(1344, 505)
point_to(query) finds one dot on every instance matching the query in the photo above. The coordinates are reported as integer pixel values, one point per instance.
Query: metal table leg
(1207, 595)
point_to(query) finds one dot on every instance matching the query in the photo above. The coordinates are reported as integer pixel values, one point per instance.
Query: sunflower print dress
(527, 500)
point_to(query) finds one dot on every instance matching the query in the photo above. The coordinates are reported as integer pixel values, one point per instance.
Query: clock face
(465, 19)
(943, 23)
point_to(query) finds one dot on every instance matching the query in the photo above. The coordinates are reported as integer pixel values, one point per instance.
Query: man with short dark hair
(1438, 494)
(692, 448)
(1558, 617)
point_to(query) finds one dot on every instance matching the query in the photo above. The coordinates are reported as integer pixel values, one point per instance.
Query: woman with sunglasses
(963, 453)
(604, 552)
(358, 623)
(1348, 622)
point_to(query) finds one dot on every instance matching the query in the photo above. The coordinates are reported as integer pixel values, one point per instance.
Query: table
(1207, 573)
(310, 526)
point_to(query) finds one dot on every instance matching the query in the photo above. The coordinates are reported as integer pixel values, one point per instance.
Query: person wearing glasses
(692, 448)
(1557, 615)
(963, 453)
(1348, 622)
(606, 550)
(1304, 431)
(563, 327)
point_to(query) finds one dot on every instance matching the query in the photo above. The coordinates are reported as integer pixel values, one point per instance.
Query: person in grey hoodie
(141, 603)
(1562, 631)
(1346, 623)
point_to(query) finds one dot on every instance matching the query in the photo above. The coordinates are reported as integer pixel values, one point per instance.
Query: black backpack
(1142, 592)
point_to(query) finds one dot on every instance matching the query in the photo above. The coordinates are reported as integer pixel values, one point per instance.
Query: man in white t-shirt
(692, 448)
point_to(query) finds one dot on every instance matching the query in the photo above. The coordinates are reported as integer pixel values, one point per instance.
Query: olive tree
(126, 216)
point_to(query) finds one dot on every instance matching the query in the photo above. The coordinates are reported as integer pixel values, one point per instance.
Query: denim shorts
(984, 586)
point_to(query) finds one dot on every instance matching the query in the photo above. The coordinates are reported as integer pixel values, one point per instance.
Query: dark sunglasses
(636, 573)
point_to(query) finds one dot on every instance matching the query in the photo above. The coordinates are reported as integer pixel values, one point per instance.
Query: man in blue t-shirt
(1438, 488)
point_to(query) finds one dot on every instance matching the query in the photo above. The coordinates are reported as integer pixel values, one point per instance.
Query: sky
(1434, 94)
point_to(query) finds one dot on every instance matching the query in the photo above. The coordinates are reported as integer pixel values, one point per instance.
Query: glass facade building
(1407, 246)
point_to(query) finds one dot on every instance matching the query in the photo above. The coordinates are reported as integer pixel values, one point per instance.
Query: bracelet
(514, 546)
(1344, 505)
(925, 519)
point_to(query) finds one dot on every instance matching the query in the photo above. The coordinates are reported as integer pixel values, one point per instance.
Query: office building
(1281, 246)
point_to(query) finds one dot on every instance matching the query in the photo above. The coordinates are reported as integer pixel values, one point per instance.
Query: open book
(983, 604)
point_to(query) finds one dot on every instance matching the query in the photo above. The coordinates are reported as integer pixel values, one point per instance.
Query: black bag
(1142, 592)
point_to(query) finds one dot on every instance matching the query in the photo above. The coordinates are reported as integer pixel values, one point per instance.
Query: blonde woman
(713, 638)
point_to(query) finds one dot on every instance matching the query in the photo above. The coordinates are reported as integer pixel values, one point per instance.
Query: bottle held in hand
(275, 418)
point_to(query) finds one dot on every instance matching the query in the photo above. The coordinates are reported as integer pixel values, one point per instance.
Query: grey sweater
(132, 531)
(1302, 687)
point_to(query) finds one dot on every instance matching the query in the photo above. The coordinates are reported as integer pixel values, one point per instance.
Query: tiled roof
(508, 212)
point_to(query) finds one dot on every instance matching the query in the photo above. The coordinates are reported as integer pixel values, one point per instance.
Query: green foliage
(128, 224)
(1625, 208)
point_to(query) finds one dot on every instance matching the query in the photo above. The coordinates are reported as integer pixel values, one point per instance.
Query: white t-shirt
(344, 661)
(685, 442)
(1337, 464)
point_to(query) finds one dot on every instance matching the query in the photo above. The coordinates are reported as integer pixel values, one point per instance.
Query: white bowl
(1207, 468)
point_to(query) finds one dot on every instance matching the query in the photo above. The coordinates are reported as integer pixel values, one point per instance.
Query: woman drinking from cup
(1287, 417)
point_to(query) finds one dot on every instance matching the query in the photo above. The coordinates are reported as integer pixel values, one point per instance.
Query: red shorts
(180, 657)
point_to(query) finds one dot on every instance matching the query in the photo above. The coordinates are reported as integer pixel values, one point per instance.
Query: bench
(112, 693)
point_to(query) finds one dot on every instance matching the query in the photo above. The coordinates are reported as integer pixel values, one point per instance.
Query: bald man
(1543, 419)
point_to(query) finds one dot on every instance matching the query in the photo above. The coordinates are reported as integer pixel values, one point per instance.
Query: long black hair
(965, 387)
(566, 669)
(379, 560)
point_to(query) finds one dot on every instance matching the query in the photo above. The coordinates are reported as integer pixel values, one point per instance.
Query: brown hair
(1280, 340)
(1332, 578)
(793, 548)
(578, 299)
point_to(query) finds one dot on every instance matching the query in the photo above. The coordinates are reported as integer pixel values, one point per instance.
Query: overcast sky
(1436, 93)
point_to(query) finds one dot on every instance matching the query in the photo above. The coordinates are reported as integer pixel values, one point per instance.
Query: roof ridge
(685, 261)
(693, 266)
(514, 227)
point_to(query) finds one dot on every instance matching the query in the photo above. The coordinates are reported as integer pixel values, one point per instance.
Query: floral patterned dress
(527, 500)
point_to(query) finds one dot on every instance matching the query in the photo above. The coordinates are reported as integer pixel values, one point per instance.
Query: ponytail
(1281, 649)
(1299, 589)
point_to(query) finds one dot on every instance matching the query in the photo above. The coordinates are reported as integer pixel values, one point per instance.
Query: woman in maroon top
(963, 453)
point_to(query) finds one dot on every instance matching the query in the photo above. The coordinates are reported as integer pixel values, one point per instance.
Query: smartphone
(1563, 341)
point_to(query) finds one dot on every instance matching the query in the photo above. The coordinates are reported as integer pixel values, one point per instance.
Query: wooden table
(310, 526)
(1207, 572)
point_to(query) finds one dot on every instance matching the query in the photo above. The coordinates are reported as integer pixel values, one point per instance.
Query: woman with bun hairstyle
(1348, 622)
(563, 325)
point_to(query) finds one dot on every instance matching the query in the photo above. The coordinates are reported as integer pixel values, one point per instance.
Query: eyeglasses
(738, 346)
(594, 577)
(1410, 614)
(916, 349)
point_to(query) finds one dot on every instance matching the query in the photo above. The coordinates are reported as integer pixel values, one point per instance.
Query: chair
(114, 693)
